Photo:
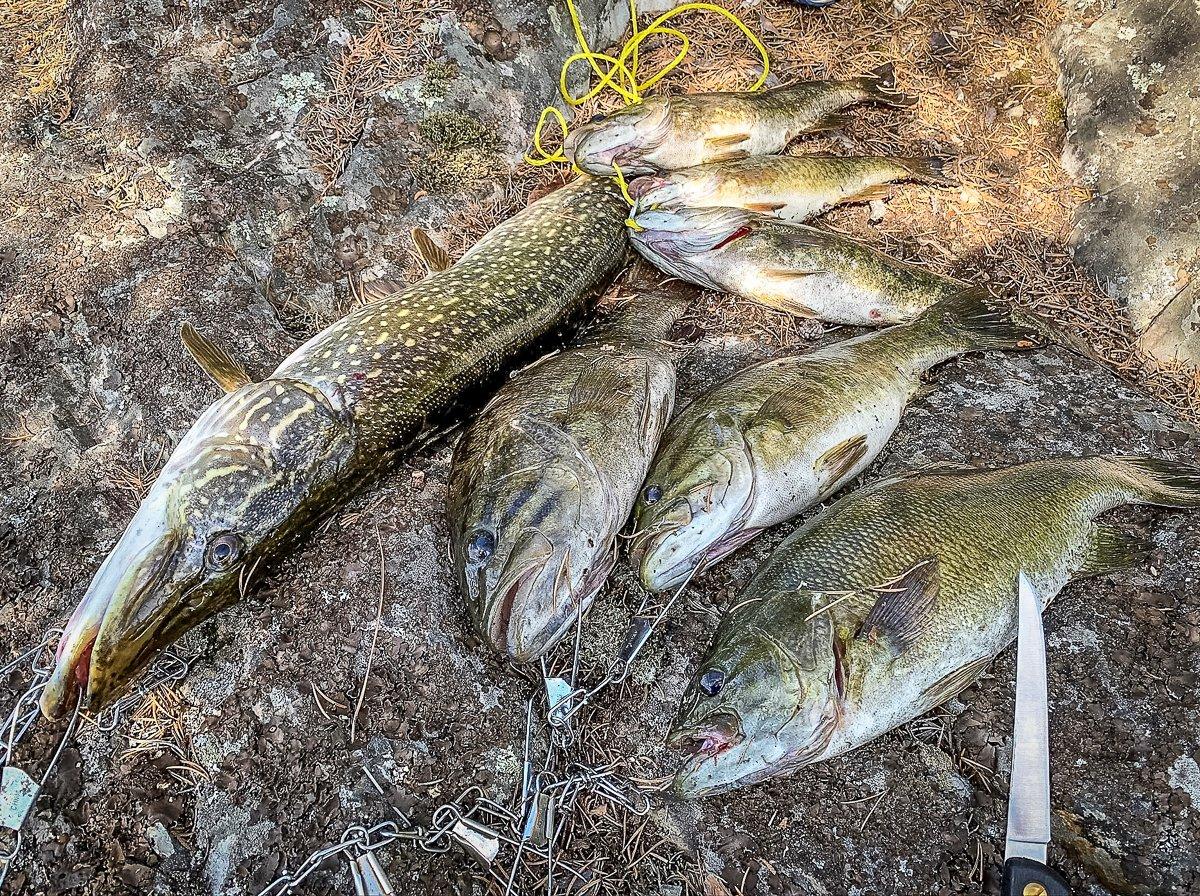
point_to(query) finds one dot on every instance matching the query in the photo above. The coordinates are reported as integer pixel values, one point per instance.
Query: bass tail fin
(982, 321)
(880, 87)
(929, 170)
(1156, 480)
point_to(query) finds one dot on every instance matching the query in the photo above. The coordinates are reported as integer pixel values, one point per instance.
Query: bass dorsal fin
(214, 359)
(434, 257)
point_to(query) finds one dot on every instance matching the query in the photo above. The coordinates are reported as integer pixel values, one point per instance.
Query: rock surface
(1129, 73)
(187, 186)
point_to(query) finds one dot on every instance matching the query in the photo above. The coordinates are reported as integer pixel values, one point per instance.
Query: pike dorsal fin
(904, 607)
(433, 256)
(214, 360)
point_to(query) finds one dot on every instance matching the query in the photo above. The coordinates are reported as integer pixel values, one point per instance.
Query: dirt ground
(243, 167)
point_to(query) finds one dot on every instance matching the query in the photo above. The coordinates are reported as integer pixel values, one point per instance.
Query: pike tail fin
(880, 87)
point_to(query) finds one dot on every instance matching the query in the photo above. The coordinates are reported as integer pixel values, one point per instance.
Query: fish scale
(896, 598)
(545, 478)
(269, 458)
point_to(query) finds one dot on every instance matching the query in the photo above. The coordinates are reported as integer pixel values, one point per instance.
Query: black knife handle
(1025, 877)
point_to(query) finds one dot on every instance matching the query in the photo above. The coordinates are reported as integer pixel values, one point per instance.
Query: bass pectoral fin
(902, 611)
(785, 274)
(784, 280)
(214, 359)
(727, 142)
(842, 458)
(433, 256)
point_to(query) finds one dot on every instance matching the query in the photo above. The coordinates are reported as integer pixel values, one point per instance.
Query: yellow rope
(621, 74)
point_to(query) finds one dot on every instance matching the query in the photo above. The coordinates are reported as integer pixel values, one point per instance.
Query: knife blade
(1028, 835)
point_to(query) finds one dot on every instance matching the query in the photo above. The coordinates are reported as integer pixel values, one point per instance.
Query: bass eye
(481, 546)
(711, 682)
(224, 550)
(652, 494)
(595, 118)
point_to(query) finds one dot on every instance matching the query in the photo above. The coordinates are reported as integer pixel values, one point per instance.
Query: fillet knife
(1025, 870)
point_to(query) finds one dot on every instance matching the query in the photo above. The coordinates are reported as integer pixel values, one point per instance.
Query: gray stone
(1132, 107)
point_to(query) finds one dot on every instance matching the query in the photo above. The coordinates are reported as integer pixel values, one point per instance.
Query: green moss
(436, 83)
(451, 172)
(1022, 77)
(463, 153)
(1056, 109)
(452, 131)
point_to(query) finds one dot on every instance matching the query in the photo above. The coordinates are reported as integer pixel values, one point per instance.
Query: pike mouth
(103, 647)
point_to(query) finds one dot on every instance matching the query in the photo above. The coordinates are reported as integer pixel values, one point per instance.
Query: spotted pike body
(265, 460)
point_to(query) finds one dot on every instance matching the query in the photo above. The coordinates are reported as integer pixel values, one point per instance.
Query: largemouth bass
(794, 188)
(267, 459)
(895, 599)
(671, 132)
(790, 267)
(780, 436)
(544, 480)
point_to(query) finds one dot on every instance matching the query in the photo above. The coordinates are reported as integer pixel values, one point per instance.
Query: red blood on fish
(84, 665)
(736, 235)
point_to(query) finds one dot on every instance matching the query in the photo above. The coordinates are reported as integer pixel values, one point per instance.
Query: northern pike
(782, 435)
(795, 188)
(896, 598)
(269, 458)
(544, 480)
(666, 133)
(791, 267)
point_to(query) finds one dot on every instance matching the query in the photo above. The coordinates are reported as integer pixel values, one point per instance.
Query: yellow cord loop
(620, 73)
(625, 192)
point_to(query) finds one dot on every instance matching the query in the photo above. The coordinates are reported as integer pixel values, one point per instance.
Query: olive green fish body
(795, 188)
(544, 480)
(791, 267)
(400, 360)
(270, 457)
(670, 133)
(895, 599)
(780, 436)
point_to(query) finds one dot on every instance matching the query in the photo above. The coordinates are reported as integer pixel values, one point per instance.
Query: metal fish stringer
(19, 788)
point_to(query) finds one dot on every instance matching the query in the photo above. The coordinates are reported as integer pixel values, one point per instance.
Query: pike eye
(481, 546)
(652, 494)
(224, 550)
(712, 681)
